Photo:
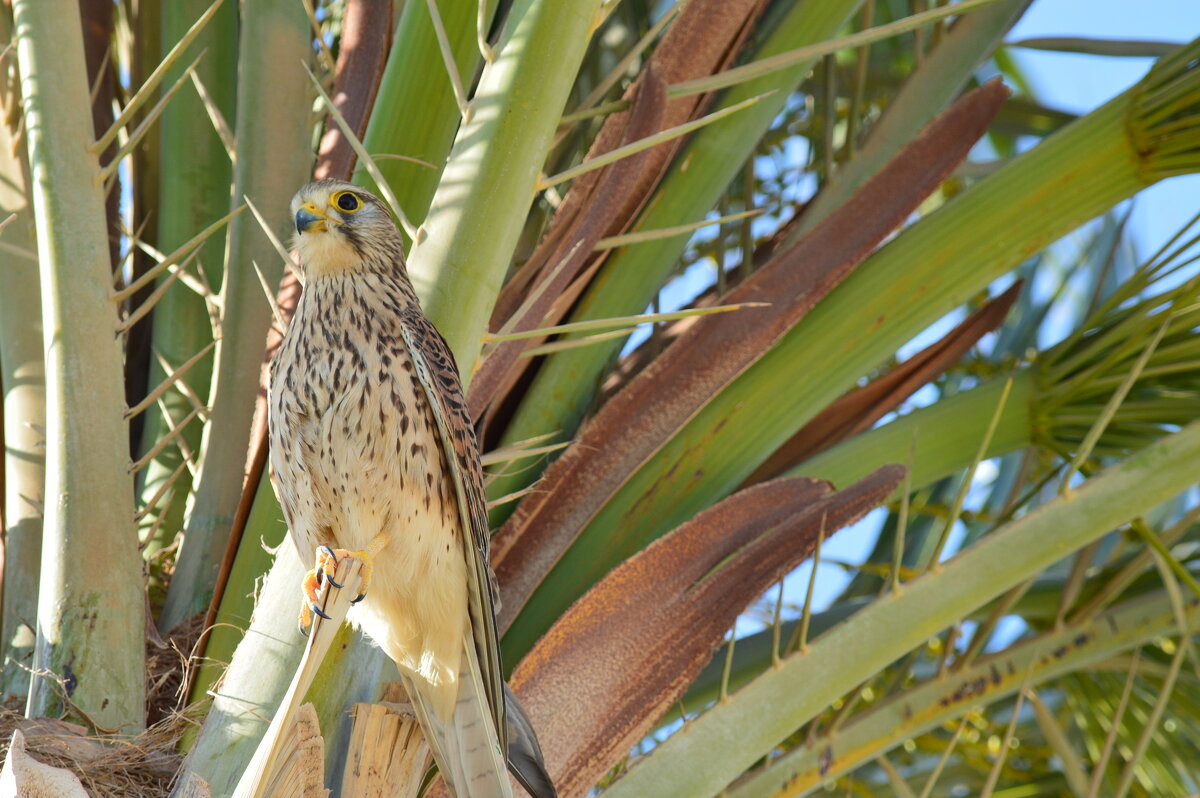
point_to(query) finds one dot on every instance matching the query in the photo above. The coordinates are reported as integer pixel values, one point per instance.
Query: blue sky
(1079, 83)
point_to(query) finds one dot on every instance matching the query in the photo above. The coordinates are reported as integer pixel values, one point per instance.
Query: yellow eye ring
(347, 201)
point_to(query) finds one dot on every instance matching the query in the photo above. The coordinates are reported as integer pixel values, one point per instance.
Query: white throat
(326, 253)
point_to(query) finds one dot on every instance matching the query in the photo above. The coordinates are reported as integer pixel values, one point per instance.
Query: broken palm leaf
(277, 746)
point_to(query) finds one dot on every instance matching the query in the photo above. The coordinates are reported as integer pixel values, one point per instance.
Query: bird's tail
(466, 748)
(525, 759)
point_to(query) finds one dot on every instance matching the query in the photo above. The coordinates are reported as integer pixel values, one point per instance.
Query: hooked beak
(309, 218)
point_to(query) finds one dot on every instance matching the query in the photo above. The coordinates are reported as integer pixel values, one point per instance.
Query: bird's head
(342, 228)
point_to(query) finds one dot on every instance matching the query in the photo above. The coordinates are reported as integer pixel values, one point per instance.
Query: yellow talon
(325, 569)
(311, 604)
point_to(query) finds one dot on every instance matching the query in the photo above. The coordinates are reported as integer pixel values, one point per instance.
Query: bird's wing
(438, 376)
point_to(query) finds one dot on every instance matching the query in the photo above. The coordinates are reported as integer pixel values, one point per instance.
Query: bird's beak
(309, 218)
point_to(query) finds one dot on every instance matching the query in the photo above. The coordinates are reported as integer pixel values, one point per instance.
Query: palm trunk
(91, 604)
(23, 380)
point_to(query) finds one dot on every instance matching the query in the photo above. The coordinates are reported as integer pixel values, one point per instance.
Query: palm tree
(685, 378)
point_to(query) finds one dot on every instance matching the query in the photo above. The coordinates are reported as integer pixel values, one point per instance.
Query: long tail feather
(467, 748)
(525, 759)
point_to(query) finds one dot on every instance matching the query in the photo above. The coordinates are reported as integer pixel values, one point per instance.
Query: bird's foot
(324, 571)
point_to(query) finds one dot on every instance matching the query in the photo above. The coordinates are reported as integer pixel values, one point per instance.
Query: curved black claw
(361, 596)
(318, 611)
(303, 631)
(321, 571)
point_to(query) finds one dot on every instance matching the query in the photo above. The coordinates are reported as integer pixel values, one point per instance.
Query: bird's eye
(347, 201)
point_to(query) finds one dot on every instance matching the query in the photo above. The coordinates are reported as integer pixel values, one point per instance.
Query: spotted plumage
(372, 450)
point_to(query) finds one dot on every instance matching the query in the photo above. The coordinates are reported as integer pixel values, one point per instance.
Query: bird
(373, 455)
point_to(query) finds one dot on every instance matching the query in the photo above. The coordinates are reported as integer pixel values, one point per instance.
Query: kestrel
(373, 454)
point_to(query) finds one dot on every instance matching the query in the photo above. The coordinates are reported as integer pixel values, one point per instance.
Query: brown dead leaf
(630, 647)
(705, 39)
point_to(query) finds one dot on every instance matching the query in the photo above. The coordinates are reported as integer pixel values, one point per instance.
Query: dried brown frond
(141, 767)
(169, 664)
